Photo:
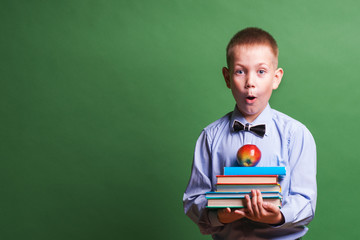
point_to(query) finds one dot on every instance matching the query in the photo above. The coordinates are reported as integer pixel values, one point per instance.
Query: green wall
(101, 103)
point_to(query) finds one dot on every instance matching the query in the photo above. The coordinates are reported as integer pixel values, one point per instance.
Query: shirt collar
(265, 117)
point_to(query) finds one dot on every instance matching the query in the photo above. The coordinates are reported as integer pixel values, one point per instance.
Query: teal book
(281, 171)
(238, 202)
(247, 187)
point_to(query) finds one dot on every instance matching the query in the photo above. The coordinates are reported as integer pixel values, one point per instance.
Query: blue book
(255, 171)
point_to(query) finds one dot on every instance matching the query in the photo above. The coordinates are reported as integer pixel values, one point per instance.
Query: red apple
(248, 155)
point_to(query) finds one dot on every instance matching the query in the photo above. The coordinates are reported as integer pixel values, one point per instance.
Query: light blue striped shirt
(286, 143)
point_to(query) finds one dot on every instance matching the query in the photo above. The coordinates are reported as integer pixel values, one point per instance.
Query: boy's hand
(227, 215)
(260, 211)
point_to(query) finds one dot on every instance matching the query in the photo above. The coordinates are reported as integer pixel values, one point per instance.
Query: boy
(252, 74)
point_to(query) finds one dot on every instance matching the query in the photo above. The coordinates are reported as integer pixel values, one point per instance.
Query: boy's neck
(250, 117)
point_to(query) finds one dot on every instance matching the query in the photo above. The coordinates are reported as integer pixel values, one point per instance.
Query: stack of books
(237, 182)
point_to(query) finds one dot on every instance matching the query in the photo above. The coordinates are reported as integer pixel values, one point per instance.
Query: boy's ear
(226, 74)
(277, 78)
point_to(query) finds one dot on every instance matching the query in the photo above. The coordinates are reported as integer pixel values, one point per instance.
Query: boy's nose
(250, 82)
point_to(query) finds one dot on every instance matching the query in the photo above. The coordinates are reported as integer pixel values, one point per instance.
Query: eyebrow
(257, 65)
(260, 64)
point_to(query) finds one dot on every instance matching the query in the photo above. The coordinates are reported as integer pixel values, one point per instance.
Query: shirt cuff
(214, 221)
(287, 213)
(280, 224)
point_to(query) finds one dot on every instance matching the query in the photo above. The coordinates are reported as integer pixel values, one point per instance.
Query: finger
(227, 210)
(254, 201)
(240, 212)
(250, 211)
(260, 202)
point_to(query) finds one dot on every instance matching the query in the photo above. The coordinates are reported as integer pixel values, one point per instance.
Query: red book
(247, 179)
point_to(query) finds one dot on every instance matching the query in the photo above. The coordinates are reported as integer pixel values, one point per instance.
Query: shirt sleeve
(200, 182)
(299, 206)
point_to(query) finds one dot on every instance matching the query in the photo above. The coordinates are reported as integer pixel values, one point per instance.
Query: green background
(101, 103)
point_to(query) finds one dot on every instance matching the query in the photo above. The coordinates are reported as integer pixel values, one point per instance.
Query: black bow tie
(257, 129)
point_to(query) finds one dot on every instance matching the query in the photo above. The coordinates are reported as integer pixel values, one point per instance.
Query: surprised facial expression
(252, 77)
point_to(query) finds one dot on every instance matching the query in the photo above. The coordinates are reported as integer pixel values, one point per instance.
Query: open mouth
(250, 98)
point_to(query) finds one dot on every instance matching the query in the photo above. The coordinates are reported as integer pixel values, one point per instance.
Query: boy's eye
(261, 71)
(239, 71)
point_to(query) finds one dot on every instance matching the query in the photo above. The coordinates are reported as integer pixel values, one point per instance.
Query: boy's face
(252, 76)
